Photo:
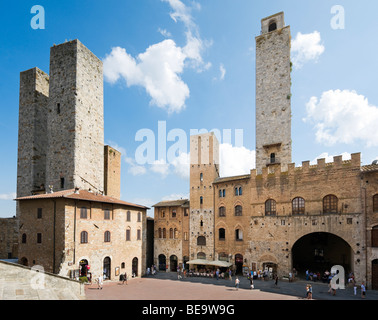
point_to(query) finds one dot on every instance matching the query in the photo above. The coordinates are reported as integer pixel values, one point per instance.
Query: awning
(222, 264)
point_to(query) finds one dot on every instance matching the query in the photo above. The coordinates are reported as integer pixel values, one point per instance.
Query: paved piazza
(166, 286)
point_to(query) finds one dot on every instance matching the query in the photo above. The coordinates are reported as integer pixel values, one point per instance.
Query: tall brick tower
(75, 155)
(273, 94)
(204, 169)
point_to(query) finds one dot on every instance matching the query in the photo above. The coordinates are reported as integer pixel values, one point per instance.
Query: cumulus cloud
(343, 116)
(305, 48)
(158, 70)
(235, 160)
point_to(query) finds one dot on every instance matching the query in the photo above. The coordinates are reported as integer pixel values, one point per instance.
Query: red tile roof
(81, 195)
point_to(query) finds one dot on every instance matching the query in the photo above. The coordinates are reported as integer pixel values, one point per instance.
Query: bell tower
(273, 94)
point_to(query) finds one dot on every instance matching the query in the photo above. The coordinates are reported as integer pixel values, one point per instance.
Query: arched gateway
(319, 251)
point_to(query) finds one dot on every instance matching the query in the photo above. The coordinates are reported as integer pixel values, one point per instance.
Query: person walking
(99, 282)
(237, 282)
(363, 290)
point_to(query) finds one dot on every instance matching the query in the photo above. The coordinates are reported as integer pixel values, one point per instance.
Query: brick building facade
(280, 216)
(71, 219)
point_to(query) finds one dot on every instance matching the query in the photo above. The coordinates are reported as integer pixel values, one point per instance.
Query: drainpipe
(54, 226)
(74, 236)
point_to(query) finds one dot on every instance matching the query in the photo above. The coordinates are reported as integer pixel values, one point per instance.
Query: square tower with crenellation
(273, 94)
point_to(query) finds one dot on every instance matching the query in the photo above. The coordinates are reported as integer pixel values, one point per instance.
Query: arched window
(330, 204)
(238, 210)
(239, 235)
(222, 234)
(23, 238)
(222, 211)
(272, 26)
(84, 237)
(201, 255)
(107, 236)
(270, 207)
(223, 256)
(298, 206)
(201, 241)
(375, 203)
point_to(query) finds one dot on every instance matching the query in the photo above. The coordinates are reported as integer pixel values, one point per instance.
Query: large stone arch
(319, 251)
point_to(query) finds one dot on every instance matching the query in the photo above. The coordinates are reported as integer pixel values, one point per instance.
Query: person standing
(237, 282)
(251, 282)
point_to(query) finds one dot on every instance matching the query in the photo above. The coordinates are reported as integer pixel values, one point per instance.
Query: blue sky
(207, 49)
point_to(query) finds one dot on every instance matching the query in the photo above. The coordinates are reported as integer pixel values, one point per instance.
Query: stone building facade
(280, 216)
(67, 231)
(171, 234)
(8, 238)
(68, 183)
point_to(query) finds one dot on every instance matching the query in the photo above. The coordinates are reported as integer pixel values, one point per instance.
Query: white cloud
(222, 71)
(164, 33)
(8, 196)
(305, 48)
(175, 196)
(181, 165)
(159, 68)
(329, 158)
(161, 167)
(235, 160)
(343, 117)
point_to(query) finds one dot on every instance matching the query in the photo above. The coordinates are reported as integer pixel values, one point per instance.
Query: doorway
(107, 268)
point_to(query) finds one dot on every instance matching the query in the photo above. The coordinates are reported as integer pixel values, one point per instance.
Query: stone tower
(204, 169)
(75, 155)
(61, 124)
(273, 94)
(112, 172)
(32, 133)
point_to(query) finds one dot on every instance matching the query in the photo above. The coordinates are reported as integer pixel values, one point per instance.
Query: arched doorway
(319, 252)
(374, 274)
(107, 268)
(162, 262)
(239, 263)
(24, 262)
(173, 263)
(135, 267)
(83, 268)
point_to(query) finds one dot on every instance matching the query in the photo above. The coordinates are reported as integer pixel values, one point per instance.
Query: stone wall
(8, 238)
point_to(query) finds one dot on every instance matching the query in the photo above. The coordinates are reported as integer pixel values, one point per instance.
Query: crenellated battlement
(338, 163)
